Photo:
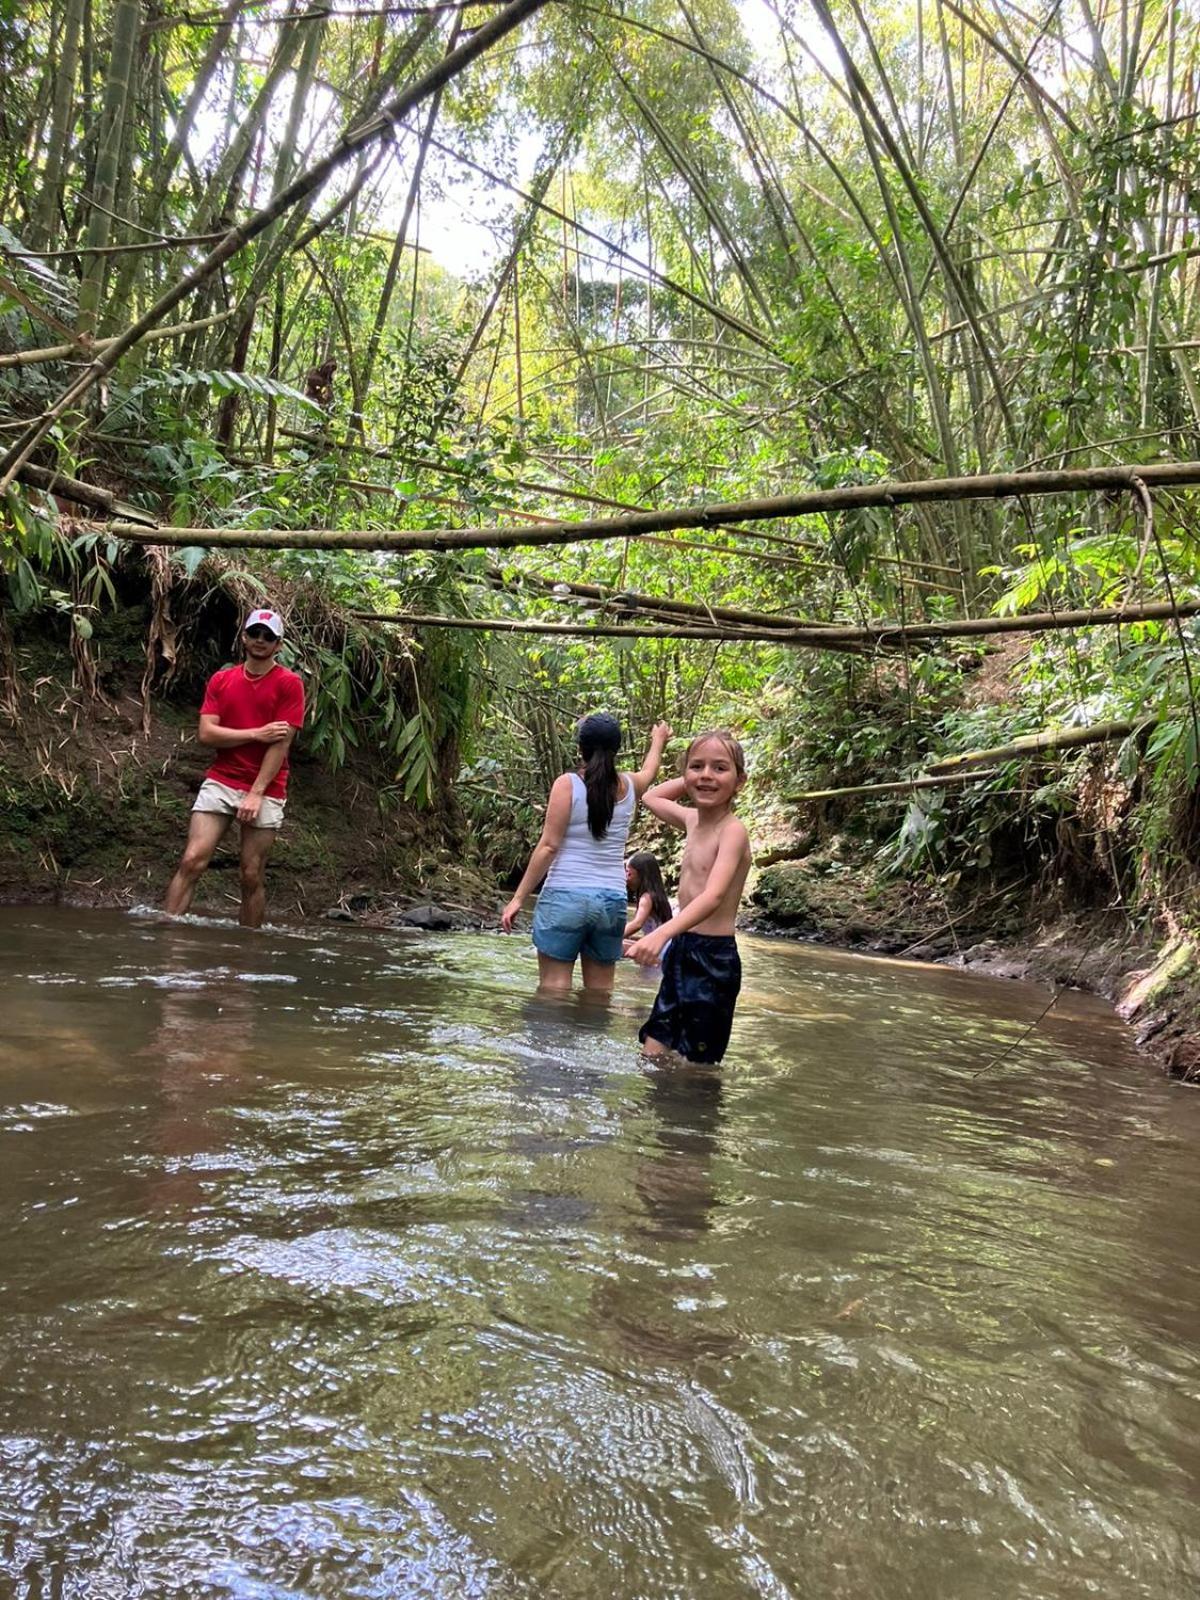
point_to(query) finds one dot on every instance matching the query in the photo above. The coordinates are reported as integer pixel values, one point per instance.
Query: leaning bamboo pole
(852, 497)
(818, 636)
(66, 352)
(902, 786)
(1050, 739)
(603, 630)
(82, 494)
(626, 601)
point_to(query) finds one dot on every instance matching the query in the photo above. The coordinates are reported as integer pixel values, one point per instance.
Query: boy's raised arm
(663, 802)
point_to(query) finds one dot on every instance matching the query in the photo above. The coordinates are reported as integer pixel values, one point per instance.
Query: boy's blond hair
(732, 747)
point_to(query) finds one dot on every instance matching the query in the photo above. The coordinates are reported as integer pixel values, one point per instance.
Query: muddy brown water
(335, 1264)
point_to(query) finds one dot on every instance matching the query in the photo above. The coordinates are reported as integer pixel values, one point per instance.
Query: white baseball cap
(265, 619)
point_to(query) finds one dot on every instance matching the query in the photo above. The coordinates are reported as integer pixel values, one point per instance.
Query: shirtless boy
(702, 972)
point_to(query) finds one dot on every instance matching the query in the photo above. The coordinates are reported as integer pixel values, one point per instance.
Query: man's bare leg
(205, 832)
(256, 847)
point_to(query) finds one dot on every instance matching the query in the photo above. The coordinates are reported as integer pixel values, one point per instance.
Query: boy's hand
(647, 951)
(510, 914)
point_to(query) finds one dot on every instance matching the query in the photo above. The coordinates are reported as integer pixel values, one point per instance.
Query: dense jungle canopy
(295, 265)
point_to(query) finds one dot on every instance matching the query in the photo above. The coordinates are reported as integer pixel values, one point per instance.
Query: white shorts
(219, 797)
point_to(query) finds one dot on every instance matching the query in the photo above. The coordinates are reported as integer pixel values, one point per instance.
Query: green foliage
(731, 298)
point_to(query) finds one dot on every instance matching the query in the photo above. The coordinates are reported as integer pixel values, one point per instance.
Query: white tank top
(585, 862)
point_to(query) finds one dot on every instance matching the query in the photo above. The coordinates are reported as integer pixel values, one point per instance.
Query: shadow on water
(336, 1265)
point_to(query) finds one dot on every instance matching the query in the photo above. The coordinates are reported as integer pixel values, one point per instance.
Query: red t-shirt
(239, 701)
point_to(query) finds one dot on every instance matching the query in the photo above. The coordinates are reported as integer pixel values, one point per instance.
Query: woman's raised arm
(648, 771)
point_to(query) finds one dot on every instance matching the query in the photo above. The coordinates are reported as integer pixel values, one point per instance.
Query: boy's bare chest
(698, 856)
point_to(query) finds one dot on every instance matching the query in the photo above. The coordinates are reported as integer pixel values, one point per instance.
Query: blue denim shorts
(574, 922)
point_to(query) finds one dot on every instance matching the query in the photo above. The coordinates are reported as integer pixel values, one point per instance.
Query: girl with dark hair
(581, 854)
(651, 904)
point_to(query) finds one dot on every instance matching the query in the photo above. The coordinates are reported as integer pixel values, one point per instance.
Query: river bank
(1017, 930)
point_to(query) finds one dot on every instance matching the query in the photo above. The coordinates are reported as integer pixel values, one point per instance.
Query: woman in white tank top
(581, 855)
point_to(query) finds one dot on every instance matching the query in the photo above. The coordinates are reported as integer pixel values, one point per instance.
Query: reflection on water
(340, 1265)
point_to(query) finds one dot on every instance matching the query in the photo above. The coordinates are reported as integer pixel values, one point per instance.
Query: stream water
(336, 1264)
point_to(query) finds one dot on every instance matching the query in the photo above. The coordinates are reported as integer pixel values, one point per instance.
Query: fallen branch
(1051, 739)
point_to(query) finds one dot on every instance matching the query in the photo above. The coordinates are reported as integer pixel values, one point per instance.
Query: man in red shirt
(250, 716)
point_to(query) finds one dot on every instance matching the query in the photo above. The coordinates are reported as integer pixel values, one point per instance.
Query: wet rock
(340, 914)
(431, 917)
(987, 950)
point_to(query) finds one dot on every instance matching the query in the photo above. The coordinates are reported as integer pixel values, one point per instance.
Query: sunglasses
(261, 633)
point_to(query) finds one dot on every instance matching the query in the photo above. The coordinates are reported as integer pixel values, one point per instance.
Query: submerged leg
(597, 975)
(653, 1048)
(554, 977)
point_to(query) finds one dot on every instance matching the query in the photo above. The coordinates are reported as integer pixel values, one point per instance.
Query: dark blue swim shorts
(702, 974)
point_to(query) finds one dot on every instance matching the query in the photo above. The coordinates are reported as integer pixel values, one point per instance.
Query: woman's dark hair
(599, 740)
(650, 881)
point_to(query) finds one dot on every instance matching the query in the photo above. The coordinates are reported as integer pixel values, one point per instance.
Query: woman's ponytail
(599, 740)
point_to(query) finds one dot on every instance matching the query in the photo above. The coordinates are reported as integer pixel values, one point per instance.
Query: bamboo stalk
(1050, 739)
(401, 240)
(852, 497)
(83, 494)
(117, 95)
(624, 600)
(63, 352)
(58, 143)
(822, 637)
(140, 248)
(368, 133)
(903, 786)
(607, 630)
(602, 630)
